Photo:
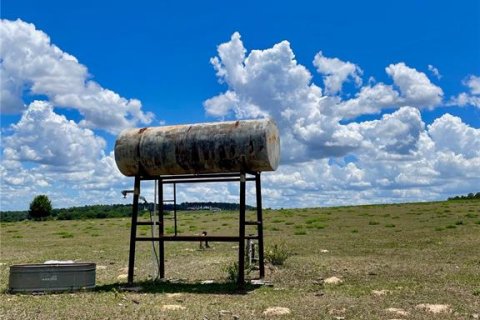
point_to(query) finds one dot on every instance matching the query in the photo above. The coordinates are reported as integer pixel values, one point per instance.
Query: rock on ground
(333, 280)
(276, 311)
(172, 307)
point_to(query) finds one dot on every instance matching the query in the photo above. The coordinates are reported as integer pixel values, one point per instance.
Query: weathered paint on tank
(247, 145)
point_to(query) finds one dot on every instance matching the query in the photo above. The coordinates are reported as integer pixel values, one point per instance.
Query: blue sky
(341, 146)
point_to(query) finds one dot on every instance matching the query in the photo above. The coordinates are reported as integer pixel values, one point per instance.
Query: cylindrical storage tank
(246, 145)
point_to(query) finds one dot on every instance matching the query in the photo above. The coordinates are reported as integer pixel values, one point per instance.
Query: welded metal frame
(241, 177)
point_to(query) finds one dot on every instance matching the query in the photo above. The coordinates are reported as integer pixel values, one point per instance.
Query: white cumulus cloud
(415, 87)
(31, 64)
(335, 72)
(470, 98)
(44, 137)
(328, 156)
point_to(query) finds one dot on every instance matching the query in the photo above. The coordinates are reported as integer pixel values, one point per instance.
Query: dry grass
(418, 254)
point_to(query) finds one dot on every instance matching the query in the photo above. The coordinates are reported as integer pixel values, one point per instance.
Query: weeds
(232, 271)
(277, 255)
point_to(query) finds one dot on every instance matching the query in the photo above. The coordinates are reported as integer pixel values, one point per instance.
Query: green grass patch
(64, 234)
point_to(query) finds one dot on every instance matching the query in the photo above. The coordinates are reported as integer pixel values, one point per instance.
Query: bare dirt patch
(382, 292)
(398, 311)
(434, 308)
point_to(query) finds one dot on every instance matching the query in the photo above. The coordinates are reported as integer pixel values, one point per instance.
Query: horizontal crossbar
(147, 223)
(196, 176)
(195, 238)
(171, 181)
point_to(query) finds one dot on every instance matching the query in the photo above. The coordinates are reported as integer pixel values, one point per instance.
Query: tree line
(469, 196)
(41, 209)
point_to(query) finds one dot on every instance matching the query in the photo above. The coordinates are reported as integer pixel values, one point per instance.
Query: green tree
(40, 207)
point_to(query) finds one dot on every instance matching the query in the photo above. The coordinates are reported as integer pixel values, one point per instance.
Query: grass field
(388, 256)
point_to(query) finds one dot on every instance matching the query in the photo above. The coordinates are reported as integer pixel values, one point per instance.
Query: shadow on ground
(174, 287)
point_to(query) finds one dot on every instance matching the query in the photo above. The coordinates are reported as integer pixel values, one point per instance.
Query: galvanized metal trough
(51, 277)
(235, 146)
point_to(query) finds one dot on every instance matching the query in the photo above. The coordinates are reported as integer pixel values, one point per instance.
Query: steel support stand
(133, 231)
(241, 235)
(175, 206)
(261, 262)
(161, 242)
(240, 239)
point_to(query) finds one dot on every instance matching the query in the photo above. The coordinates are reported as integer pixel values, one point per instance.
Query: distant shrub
(300, 232)
(65, 216)
(354, 231)
(373, 223)
(390, 225)
(40, 207)
(277, 254)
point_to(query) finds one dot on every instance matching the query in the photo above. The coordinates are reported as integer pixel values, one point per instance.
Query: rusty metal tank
(221, 147)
